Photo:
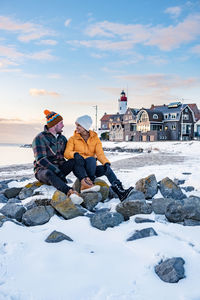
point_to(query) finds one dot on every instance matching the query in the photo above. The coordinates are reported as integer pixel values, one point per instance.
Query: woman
(86, 148)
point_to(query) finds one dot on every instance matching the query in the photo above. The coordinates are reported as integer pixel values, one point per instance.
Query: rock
(143, 220)
(42, 202)
(3, 198)
(91, 199)
(191, 222)
(188, 188)
(36, 216)
(77, 185)
(169, 189)
(179, 181)
(179, 210)
(139, 234)
(135, 195)
(12, 192)
(4, 184)
(130, 208)
(13, 211)
(30, 205)
(159, 205)
(29, 189)
(104, 188)
(104, 219)
(148, 186)
(13, 200)
(62, 204)
(57, 236)
(171, 270)
(175, 211)
(186, 173)
(2, 220)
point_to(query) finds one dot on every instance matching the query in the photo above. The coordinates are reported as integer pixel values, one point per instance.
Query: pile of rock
(174, 204)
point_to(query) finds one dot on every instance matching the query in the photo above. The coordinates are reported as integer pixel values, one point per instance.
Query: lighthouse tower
(122, 106)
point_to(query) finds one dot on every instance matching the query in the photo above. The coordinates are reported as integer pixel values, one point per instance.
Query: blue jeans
(91, 170)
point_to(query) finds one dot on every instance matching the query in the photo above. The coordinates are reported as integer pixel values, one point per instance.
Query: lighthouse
(122, 103)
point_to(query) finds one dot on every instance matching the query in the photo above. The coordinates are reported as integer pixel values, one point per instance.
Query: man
(85, 147)
(50, 166)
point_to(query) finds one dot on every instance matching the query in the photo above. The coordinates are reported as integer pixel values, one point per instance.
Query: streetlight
(96, 107)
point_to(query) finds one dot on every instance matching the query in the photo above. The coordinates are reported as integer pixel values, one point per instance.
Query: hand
(78, 158)
(106, 166)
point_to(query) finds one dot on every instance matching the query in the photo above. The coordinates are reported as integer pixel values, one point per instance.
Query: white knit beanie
(85, 121)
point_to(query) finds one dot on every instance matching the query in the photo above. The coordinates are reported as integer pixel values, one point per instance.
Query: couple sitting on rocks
(55, 157)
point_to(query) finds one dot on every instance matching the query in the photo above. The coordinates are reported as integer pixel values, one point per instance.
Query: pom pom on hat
(85, 121)
(52, 118)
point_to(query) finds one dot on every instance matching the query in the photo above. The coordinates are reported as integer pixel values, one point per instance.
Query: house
(129, 121)
(116, 132)
(105, 122)
(178, 120)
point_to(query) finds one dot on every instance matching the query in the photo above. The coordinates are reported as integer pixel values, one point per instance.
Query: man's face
(80, 129)
(59, 127)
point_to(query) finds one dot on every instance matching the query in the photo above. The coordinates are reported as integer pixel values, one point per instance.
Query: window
(173, 116)
(185, 117)
(144, 117)
(156, 127)
(166, 116)
(155, 116)
(173, 127)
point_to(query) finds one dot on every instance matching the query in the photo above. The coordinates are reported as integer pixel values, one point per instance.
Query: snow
(102, 265)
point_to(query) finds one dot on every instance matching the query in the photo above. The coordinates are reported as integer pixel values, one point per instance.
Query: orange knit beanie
(52, 118)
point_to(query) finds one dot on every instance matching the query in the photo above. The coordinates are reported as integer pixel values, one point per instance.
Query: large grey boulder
(130, 208)
(91, 199)
(57, 236)
(29, 189)
(180, 210)
(169, 189)
(148, 186)
(36, 216)
(143, 233)
(104, 219)
(62, 204)
(143, 220)
(12, 192)
(159, 205)
(175, 211)
(13, 211)
(171, 270)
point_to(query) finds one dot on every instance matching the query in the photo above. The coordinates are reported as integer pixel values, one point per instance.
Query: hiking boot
(88, 186)
(120, 191)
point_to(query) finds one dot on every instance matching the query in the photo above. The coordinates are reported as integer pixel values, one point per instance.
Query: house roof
(195, 110)
(105, 117)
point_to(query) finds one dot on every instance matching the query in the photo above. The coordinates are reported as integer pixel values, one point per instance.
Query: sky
(71, 56)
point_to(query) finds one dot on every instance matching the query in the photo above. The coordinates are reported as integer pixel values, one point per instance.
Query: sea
(14, 154)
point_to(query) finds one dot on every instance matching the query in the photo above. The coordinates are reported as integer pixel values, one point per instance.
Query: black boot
(120, 191)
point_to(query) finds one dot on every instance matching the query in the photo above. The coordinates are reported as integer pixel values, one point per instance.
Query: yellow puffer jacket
(93, 147)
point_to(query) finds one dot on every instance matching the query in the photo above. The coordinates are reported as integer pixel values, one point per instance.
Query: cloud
(67, 22)
(174, 11)
(6, 62)
(4, 120)
(10, 52)
(47, 42)
(42, 55)
(28, 31)
(118, 37)
(54, 76)
(196, 49)
(35, 92)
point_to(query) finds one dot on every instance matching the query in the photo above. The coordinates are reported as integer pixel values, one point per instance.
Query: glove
(106, 166)
(78, 158)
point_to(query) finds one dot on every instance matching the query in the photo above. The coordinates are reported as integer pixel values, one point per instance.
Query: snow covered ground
(102, 265)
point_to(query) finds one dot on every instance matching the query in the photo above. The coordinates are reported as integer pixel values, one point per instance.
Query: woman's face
(80, 129)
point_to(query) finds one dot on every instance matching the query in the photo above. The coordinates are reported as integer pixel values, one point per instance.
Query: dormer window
(155, 116)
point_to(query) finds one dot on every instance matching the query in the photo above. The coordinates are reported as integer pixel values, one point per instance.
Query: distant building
(122, 103)
(175, 121)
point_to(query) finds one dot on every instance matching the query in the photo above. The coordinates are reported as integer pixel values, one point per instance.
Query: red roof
(105, 117)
